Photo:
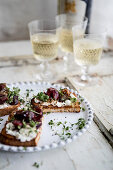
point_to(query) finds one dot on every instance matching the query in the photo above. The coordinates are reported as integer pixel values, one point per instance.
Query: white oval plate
(47, 139)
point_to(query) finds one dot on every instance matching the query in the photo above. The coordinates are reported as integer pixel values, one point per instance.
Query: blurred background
(15, 15)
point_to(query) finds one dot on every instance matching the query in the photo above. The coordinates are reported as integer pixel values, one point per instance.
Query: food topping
(24, 125)
(54, 97)
(2, 86)
(53, 93)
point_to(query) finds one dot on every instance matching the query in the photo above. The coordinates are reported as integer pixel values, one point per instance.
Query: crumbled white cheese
(48, 103)
(24, 134)
(5, 105)
(68, 102)
(10, 126)
(56, 103)
(60, 104)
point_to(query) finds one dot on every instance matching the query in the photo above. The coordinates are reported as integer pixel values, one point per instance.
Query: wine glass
(67, 21)
(44, 39)
(87, 52)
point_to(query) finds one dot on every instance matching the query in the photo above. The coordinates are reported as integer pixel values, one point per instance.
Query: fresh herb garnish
(80, 123)
(19, 127)
(60, 92)
(28, 92)
(48, 113)
(12, 93)
(51, 122)
(82, 100)
(24, 124)
(66, 130)
(73, 100)
(42, 96)
(22, 101)
(32, 123)
(83, 109)
(36, 165)
(69, 134)
(59, 123)
(1, 119)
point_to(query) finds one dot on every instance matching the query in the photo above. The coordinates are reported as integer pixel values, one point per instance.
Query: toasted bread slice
(8, 139)
(11, 140)
(9, 109)
(49, 107)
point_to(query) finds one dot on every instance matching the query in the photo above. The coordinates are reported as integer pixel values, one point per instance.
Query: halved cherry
(53, 93)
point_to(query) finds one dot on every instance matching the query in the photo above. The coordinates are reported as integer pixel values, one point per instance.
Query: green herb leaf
(36, 165)
(59, 123)
(12, 93)
(22, 101)
(32, 123)
(24, 124)
(43, 97)
(69, 134)
(73, 100)
(1, 119)
(51, 122)
(80, 123)
(83, 109)
(82, 100)
(19, 127)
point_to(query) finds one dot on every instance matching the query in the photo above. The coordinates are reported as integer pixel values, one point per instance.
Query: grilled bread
(28, 122)
(56, 101)
(8, 100)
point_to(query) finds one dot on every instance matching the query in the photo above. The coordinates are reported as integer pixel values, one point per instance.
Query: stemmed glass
(44, 39)
(87, 51)
(67, 21)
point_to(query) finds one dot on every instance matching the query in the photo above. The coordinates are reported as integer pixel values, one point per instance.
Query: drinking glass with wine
(67, 21)
(44, 40)
(87, 52)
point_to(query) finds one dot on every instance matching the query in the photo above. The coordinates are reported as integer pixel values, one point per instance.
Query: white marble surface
(89, 152)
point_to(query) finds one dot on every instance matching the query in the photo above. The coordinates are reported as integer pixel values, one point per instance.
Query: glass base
(91, 81)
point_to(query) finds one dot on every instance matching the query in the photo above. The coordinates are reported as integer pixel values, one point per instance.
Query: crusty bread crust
(9, 109)
(11, 140)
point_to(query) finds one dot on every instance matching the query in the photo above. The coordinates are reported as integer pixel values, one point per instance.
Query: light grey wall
(15, 15)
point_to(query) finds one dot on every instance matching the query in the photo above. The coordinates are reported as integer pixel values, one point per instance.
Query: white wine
(66, 39)
(45, 46)
(87, 51)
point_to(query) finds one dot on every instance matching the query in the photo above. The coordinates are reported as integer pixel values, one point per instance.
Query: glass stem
(46, 68)
(85, 76)
(66, 62)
